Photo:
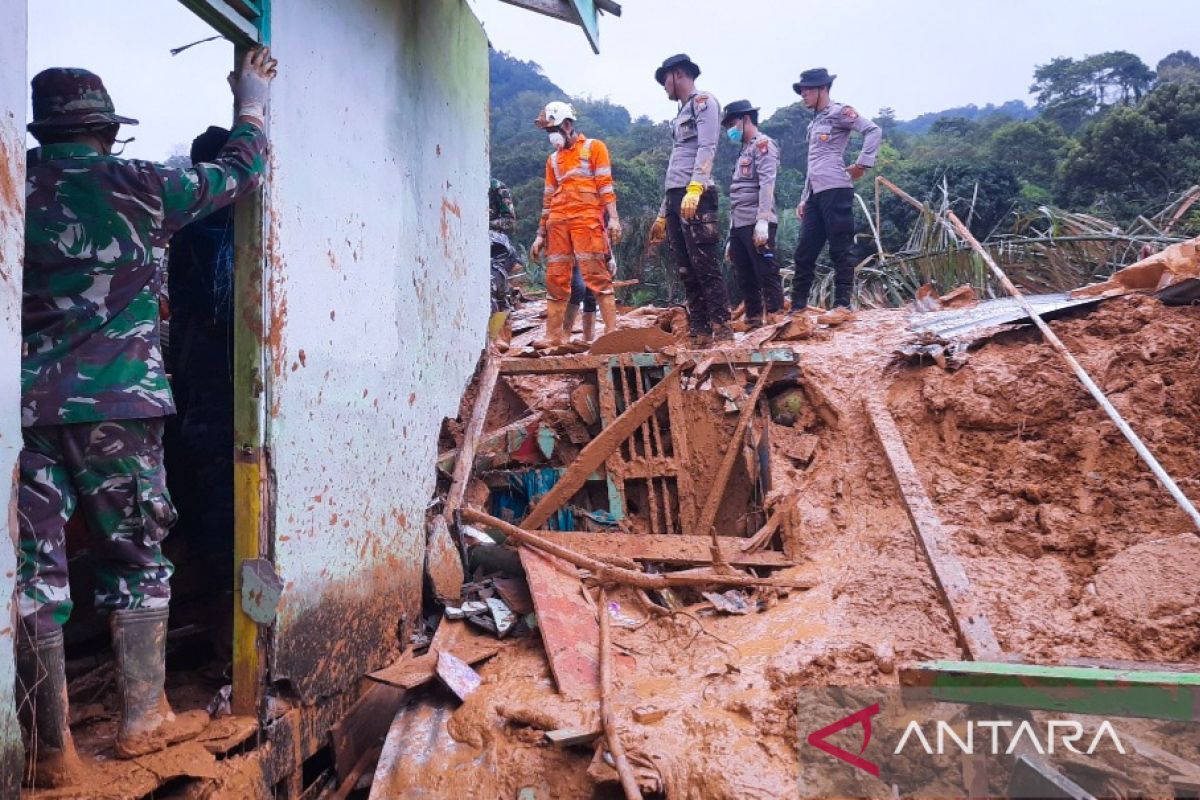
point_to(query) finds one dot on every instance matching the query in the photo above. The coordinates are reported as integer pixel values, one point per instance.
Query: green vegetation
(1109, 141)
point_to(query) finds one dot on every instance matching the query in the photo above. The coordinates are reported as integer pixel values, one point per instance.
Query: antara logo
(1066, 732)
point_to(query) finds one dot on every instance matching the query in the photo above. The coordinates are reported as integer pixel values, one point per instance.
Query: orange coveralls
(578, 186)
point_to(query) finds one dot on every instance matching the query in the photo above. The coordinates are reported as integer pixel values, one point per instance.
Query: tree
(1069, 91)
(1179, 67)
(1030, 150)
(1118, 164)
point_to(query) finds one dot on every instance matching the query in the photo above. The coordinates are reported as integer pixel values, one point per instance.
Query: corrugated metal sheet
(991, 314)
(13, 88)
(377, 300)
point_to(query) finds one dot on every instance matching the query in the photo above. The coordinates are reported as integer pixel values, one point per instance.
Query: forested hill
(1107, 134)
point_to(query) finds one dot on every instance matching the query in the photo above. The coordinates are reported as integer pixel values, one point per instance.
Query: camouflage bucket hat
(66, 98)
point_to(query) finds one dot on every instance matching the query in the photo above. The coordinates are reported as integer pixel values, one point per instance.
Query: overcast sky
(912, 55)
(915, 55)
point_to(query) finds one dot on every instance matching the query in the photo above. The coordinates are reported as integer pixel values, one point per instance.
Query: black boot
(51, 760)
(147, 722)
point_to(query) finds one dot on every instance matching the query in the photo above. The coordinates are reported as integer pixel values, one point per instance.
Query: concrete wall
(377, 295)
(13, 89)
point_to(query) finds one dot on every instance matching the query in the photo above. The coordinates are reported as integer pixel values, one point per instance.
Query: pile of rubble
(647, 556)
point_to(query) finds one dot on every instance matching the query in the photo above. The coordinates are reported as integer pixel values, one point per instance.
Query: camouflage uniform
(92, 378)
(502, 213)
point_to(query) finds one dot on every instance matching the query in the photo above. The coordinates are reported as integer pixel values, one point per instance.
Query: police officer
(752, 220)
(825, 212)
(689, 210)
(94, 394)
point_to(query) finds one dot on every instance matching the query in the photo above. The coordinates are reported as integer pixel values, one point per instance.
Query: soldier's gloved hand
(535, 250)
(691, 200)
(251, 84)
(762, 233)
(615, 232)
(658, 231)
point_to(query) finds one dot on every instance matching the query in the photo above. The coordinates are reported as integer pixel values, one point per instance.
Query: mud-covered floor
(1072, 548)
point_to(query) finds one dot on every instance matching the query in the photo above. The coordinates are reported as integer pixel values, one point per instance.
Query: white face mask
(558, 140)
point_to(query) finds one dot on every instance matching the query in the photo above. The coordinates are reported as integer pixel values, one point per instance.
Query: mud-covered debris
(514, 592)
(731, 602)
(457, 675)
(502, 616)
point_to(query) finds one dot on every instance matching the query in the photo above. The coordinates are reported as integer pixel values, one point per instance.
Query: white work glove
(535, 250)
(762, 233)
(252, 82)
(729, 250)
(615, 231)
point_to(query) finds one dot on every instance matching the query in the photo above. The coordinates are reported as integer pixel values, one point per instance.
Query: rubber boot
(147, 722)
(608, 311)
(569, 316)
(556, 310)
(589, 326)
(51, 760)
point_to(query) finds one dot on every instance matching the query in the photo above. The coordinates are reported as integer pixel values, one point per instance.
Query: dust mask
(735, 135)
(558, 140)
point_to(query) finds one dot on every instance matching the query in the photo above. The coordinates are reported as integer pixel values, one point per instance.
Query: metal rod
(1166, 480)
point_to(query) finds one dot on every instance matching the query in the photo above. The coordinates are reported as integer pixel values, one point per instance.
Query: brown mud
(1072, 548)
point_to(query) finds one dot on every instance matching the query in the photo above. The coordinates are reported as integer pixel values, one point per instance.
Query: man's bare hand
(856, 171)
(800, 212)
(535, 250)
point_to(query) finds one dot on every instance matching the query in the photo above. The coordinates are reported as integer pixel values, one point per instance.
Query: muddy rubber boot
(608, 311)
(589, 326)
(556, 310)
(838, 316)
(569, 317)
(147, 722)
(51, 760)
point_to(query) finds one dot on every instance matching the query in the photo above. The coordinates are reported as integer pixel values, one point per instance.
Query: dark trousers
(828, 217)
(695, 244)
(757, 271)
(580, 294)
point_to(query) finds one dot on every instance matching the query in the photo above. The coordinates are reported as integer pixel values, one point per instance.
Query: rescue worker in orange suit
(579, 190)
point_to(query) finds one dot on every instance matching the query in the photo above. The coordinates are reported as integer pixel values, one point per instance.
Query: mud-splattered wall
(13, 88)
(377, 306)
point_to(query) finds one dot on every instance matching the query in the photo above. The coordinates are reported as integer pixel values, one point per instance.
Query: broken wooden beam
(454, 636)
(466, 459)
(593, 455)
(605, 572)
(709, 514)
(556, 365)
(974, 631)
(572, 737)
(505, 439)
(664, 548)
(567, 623)
(1079, 690)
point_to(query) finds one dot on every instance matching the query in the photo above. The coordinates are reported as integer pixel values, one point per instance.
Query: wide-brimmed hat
(738, 108)
(680, 60)
(813, 79)
(68, 98)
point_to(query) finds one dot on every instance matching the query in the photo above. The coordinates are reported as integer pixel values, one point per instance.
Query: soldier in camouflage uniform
(502, 213)
(94, 394)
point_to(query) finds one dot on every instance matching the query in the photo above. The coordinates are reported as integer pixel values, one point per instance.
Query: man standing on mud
(579, 193)
(826, 210)
(94, 394)
(689, 211)
(752, 220)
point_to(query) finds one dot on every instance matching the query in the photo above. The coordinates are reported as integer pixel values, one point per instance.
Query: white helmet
(554, 114)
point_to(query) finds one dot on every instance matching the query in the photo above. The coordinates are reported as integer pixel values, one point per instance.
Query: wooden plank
(974, 631)
(664, 548)
(709, 513)
(466, 459)
(454, 636)
(596, 451)
(567, 622)
(553, 365)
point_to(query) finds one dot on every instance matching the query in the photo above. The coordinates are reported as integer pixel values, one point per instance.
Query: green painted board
(1081, 690)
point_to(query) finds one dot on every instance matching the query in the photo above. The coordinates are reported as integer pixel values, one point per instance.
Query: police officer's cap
(738, 108)
(680, 60)
(813, 79)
